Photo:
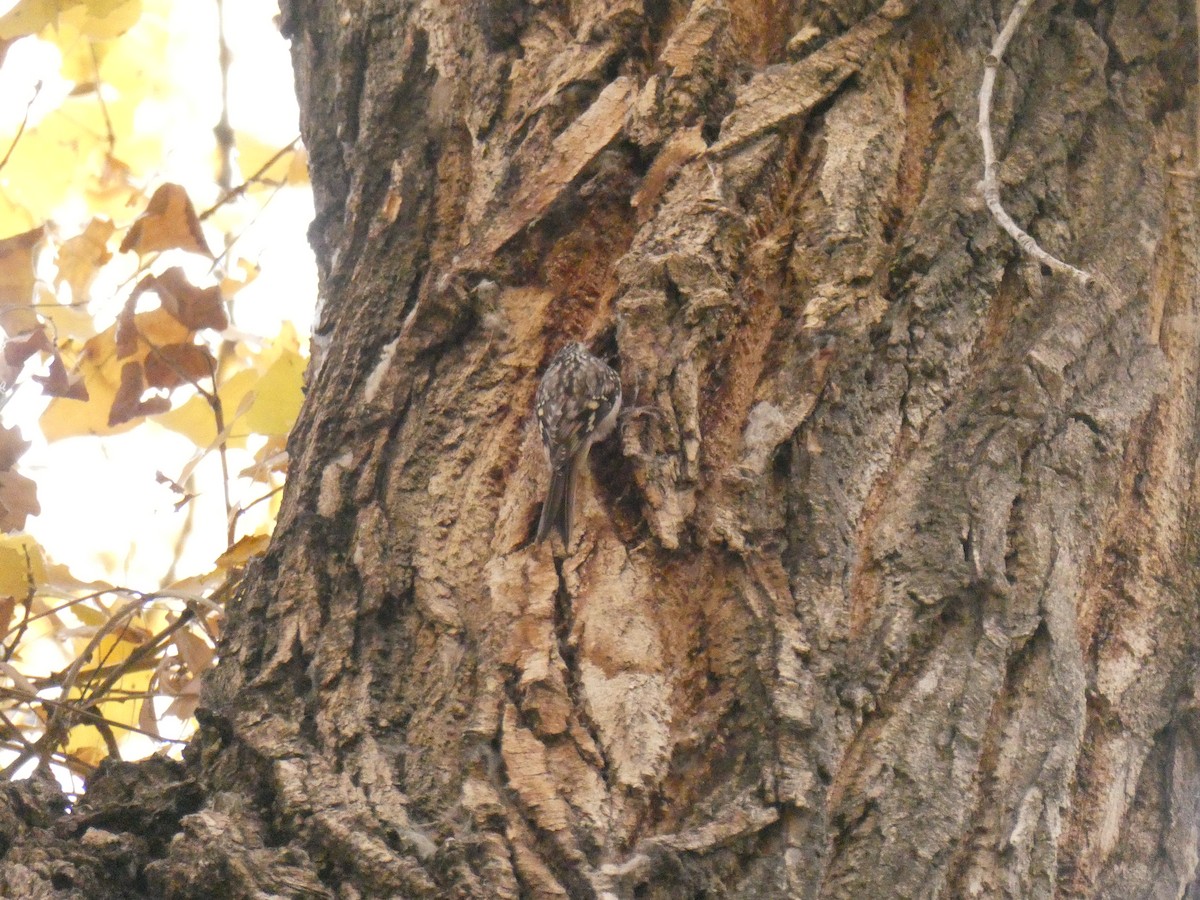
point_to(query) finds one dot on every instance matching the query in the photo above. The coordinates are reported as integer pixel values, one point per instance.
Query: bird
(577, 403)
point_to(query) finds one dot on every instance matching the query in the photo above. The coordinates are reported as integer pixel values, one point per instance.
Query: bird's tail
(559, 508)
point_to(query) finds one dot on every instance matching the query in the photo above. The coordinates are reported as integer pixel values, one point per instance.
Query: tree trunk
(886, 586)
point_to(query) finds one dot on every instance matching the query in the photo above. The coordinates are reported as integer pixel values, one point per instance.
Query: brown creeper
(577, 404)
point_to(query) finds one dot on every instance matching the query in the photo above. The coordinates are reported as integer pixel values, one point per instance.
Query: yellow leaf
(71, 323)
(30, 17)
(134, 682)
(231, 283)
(86, 745)
(80, 257)
(71, 418)
(195, 420)
(105, 19)
(81, 57)
(55, 160)
(253, 403)
(89, 615)
(298, 169)
(278, 396)
(114, 648)
(85, 741)
(95, 20)
(253, 153)
(20, 560)
(59, 578)
(14, 216)
(103, 8)
(239, 554)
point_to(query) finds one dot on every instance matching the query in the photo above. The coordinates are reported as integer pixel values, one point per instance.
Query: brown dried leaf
(231, 283)
(101, 371)
(185, 496)
(11, 447)
(60, 383)
(126, 334)
(176, 364)
(195, 652)
(8, 374)
(128, 403)
(80, 257)
(271, 457)
(179, 300)
(7, 605)
(169, 222)
(147, 717)
(114, 184)
(185, 703)
(170, 482)
(192, 306)
(17, 280)
(89, 754)
(18, 501)
(19, 349)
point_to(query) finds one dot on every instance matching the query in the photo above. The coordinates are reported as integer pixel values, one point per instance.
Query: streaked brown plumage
(577, 404)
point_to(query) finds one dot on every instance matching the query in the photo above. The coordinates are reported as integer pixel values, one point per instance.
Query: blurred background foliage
(154, 286)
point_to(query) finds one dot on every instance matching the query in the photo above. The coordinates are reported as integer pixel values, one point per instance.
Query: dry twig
(991, 178)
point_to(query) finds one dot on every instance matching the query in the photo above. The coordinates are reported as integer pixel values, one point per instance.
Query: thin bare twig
(16, 733)
(43, 748)
(96, 684)
(240, 189)
(241, 510)
(110, 739)
(111, 135)
(137, 656)
(70, 676)
(24, 753)
(11, 648)
(67, 604)
(991, 177)
(214, 401)
(37, 90)
(220, 257)
(223, 129)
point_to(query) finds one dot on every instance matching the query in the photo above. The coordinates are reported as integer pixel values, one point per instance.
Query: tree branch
(37, 89)
(990, 185)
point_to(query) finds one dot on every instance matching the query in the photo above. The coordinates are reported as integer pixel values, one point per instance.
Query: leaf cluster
(124, 322)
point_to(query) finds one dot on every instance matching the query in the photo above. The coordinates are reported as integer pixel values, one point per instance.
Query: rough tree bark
(887, 587)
